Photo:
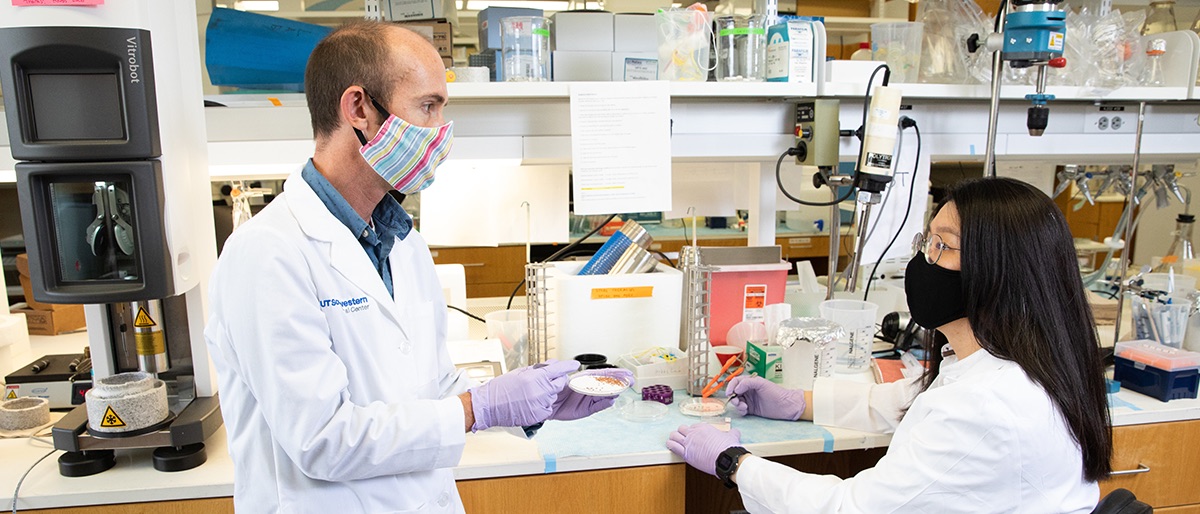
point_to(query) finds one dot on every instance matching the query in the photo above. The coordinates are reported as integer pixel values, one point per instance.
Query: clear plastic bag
(944, 55)
(1112, 41)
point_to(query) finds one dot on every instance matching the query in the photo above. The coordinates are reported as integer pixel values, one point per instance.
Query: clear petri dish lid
(702, 407)
(643, 411)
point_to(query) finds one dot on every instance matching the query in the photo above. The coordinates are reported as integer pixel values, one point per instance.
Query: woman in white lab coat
(1015, 419)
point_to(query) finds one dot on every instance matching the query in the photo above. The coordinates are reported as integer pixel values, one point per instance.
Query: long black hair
(1026, 303)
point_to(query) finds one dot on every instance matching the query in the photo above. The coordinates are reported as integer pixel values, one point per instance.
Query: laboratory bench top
(603, 441)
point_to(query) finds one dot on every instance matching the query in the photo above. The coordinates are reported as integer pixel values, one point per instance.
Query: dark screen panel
(76, 107)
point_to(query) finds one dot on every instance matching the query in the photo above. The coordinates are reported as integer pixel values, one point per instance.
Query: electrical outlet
(1110, 119)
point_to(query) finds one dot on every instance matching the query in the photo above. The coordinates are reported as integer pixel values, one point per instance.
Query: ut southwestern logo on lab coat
(348, 305)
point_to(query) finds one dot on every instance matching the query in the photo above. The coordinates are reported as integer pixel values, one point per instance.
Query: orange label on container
(611, 293)
(754, 302)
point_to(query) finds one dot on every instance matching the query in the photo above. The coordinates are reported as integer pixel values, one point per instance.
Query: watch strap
(727, 464)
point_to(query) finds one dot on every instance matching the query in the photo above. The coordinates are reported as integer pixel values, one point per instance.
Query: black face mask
(935, 295)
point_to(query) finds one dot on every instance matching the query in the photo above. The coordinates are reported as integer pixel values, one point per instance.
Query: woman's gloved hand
(521, 397)
(701, 444)
(572, 405)
(758, 396)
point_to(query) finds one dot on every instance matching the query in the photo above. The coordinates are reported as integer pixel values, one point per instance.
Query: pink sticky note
(27, 3)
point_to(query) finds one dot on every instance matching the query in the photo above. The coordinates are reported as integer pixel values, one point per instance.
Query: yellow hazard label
(11, 394)
(143, 319)
(111, 419)
(610, 293)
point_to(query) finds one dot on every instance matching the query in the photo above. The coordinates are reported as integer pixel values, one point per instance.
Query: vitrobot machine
(105, 118)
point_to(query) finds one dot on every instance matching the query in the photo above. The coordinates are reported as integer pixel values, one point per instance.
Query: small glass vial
(1160, 18)
(1152, 75)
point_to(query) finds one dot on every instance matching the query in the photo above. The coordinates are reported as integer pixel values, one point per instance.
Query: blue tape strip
(972, 149)
(551, 462)
(828, 437)
(1114, 402)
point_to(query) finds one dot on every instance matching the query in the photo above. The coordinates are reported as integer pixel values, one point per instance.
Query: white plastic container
(612, 314)
(863, 53)
(858, 319)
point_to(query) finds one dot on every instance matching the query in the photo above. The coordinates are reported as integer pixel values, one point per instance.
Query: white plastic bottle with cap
(863, 53)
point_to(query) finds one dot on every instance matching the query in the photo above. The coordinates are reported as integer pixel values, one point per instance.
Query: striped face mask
(404, 154)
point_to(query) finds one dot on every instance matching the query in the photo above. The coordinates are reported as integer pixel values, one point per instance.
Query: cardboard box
(23, 276)
(405, 10)
(582, 31)
(489, 24)
(791, 53)
(438, 32)
(635, 32)
(581, 66)
(631, 66)
(51, 323)
(765, 361)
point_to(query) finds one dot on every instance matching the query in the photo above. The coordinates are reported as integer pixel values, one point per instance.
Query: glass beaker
(899, 44)
(1160, 17)
(683, 44)
(525, 48)
(741, 48)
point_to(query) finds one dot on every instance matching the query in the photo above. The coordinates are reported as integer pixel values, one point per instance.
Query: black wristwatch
(727, 464)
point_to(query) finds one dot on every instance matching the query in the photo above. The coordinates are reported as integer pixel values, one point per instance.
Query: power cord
(469, 315)
(905, 122)
(17, 490)
(558, 254)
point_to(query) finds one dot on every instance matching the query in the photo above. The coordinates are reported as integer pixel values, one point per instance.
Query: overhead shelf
(1014, 92)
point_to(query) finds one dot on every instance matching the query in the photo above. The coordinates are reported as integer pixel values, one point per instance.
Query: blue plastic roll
(254, 51)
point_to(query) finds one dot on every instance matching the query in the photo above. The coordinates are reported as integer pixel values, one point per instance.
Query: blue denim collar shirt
(388, 221)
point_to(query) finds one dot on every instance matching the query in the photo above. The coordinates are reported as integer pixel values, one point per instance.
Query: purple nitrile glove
(521, 397)
(572, 405)
(758, 396)
(701, 444)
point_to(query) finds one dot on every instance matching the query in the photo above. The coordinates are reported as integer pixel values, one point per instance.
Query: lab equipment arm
(860, 406)
(953, 460)
(268, 329)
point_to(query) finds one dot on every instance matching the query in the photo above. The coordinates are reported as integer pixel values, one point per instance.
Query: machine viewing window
(93, 231)
(76, 107)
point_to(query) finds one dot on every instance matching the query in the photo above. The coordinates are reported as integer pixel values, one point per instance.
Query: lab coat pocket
(419, 349)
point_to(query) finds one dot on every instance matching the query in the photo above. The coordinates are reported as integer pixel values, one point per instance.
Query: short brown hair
(356, 54)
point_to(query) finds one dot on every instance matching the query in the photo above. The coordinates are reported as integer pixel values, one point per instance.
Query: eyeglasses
(931, 245)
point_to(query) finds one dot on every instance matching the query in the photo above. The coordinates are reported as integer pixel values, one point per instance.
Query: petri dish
(643, 411)
(702, 407)
(597, 385)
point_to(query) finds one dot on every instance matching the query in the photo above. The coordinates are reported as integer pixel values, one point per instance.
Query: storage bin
(742, 292)
(612, 314)
(1154, 382)
(647, 372)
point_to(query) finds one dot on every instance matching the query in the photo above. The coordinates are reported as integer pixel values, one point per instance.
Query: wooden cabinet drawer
(1185, 509)
(809, 247)
(488, 269)
(1169, 450)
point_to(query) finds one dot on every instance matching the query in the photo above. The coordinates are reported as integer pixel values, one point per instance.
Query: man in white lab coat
(328, 324)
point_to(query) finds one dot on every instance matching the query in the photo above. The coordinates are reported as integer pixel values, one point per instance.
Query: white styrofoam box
(14, 343)
(635, 32)
(405, 10)
(583, 31)
(571, 66)
(672, 374)
(631, 66)
(843, 70)
(612, 315)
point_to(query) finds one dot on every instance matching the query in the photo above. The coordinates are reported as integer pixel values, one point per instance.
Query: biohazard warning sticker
(111, 419)
(143, 319)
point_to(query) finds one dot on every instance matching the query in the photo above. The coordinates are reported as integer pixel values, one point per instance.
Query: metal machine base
(178, 446)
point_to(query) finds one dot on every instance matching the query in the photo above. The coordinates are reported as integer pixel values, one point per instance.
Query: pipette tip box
(1156, 370)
